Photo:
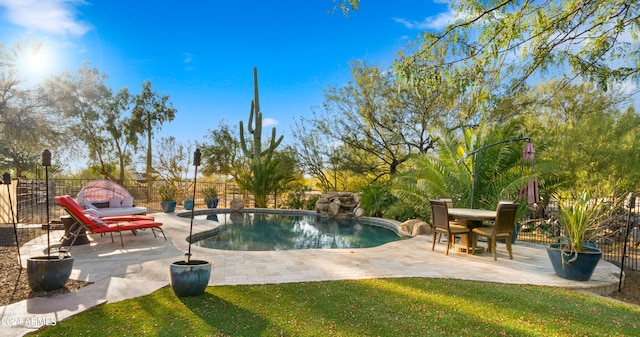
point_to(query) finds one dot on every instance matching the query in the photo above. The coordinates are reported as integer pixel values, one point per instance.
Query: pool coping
(390, 224)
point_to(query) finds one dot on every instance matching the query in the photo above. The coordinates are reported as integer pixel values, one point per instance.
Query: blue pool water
(265, 232)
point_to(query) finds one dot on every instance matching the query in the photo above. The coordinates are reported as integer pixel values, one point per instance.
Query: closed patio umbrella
(530, 191)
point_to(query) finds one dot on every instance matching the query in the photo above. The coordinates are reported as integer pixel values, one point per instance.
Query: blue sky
(202, 53)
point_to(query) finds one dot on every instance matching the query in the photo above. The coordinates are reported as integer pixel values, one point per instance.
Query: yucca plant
(581, 220)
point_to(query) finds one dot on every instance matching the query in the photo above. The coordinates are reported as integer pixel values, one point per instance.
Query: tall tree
(372, 117)
(319, 158)
(172, 164)
(27, 123)
(221, 151)
(150, 111)
(591, 134)
(119, 128)
(592, 39)
(96, 118)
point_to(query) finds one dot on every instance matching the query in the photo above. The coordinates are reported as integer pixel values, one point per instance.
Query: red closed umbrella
(530, 191)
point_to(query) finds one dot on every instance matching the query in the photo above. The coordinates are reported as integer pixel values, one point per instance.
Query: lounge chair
(106, 224)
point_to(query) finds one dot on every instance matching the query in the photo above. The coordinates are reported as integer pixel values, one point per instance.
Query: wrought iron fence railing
(31, 209)
(31, 197)
(611, 238)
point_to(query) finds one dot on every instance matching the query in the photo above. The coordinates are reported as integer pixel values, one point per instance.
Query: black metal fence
(31, 209)
(611, 239)
(31, 196)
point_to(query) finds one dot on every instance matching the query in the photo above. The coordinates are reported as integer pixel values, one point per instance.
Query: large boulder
(334, 208)
(322, 205)
(415, 227)
(236, 204)
(339, 204)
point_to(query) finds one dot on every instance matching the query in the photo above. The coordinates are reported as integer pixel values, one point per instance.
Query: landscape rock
(416, 227)
(236, 204)
(339, 204)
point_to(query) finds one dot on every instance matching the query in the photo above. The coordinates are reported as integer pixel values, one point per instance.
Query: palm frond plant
(376, 199)
(429, 175)
(499, 170)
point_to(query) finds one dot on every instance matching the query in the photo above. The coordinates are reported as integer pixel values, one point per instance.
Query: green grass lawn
(376, 307)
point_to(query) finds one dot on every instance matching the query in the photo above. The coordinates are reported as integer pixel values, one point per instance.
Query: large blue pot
(579, 270)
(48, 273)
(190, 279)
(168, 206)
(188, 205)
(212, 203)
(514, 234)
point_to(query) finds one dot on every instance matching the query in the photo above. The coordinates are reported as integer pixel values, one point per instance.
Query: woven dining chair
(441, 225)
(503, 228)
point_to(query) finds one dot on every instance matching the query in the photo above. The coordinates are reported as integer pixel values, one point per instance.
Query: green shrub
(295, 199)
(310, 203)
(376, 199)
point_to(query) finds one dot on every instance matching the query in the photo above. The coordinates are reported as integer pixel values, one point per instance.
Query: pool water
(266, 232)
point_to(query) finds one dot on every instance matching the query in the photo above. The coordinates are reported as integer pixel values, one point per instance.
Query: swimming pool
(266, 232)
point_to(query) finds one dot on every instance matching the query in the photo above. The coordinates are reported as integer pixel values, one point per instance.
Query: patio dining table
(471, 218)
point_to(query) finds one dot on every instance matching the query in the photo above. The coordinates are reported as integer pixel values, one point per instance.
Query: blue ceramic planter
(188, 205)
(168, 206)
(579, 270)
(48, 273)
(212, 203)
(190, 279)
(514, 234)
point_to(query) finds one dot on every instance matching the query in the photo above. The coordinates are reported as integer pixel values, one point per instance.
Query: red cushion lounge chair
(99, 225)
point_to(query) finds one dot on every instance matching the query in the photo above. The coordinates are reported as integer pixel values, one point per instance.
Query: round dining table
(471, 218)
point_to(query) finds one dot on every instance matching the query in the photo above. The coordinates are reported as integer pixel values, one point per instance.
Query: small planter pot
(168, 206)
(190, 279)
(188, 205)
(514, 235)
(48, 273)
(212, 203)
(579, 270)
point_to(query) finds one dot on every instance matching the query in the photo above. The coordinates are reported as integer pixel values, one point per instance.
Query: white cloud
(188, 58)
(436, 22)
(55, 17)
(269, 122)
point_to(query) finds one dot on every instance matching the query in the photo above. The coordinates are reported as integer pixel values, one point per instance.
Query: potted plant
(575, 258)
(52, 271)
(210, 195)
(190, 277)
(188, 203)
(168, 198)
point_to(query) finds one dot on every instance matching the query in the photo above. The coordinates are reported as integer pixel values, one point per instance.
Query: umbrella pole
(475, 162)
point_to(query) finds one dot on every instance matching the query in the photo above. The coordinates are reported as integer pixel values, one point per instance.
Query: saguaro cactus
(256, 152)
